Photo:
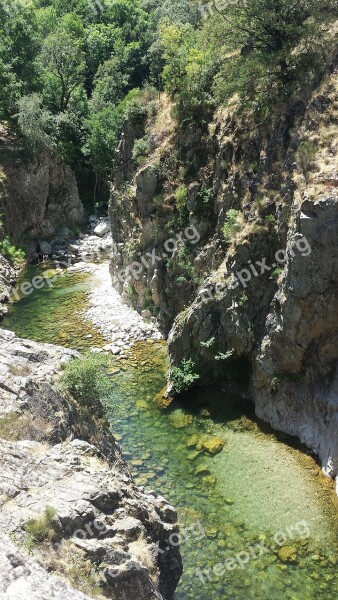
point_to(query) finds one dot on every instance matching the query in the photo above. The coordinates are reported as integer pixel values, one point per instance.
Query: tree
(63, 63)
(35, 121)
(275, 44)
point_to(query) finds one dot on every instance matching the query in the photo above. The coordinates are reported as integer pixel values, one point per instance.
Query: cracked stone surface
(106, 537)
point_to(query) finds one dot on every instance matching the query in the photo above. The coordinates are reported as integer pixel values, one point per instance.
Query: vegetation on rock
(85, 378)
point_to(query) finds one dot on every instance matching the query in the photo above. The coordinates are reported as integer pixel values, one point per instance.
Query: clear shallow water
(52, 314)
(257, 487)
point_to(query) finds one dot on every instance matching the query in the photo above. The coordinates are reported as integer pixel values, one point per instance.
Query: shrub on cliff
(85, 378)
(183, 376)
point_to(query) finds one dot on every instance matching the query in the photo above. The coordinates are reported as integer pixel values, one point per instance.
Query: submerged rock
(179, 419)
(213, 445)
(288, 554)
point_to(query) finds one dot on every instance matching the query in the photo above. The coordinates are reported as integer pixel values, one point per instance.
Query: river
(258, 520)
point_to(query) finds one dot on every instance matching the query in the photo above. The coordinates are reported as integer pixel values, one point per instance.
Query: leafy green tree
(275, 44)
(189, 68)
(63, 64)
(18, 47)
(103, 134)
(35, 121)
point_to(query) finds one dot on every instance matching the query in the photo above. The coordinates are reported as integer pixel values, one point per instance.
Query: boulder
(45, 248)
(102, 228)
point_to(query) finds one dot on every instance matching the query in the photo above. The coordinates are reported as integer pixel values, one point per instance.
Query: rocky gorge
(256, 298)
(169, 300)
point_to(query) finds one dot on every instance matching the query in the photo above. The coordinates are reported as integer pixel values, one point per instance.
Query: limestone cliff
(256, 298)
(38, 193)
(75, 519)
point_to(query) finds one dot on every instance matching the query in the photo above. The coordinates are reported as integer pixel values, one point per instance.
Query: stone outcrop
(8, 275)
(67, 496)
(274, 328)
(38, 195)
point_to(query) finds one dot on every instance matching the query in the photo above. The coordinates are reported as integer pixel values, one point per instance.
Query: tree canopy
(68, 68)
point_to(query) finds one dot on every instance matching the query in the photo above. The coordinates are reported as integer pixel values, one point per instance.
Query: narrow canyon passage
(257, 519)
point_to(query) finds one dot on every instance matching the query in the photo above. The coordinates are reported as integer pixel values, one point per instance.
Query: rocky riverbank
(119, 324)
(67, 496)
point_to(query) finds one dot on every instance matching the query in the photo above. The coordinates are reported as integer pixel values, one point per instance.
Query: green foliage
(270, 219)
(204, 200)
(276, 49)
(243, 300)
(225, 356)
(277, 272)
(208, 343)
(35, 121)
(67, 72)
(40, 529)
(141, 150)
(184, 263)
(189, 67)
(12, 253)
(85, 378)
(232, 224)
(62, 62)
(183, 376)
(181, 199)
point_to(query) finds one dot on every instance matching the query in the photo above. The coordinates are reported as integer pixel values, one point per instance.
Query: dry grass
(141, 551)
(316, 172)
(15, 427)
(71, 564)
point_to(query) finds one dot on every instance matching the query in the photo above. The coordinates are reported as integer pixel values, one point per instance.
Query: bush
(11, 252)
(204, 199)
(183, 376)
(181, 199)
(270, 219)
(306, 153)
(85, 378)
(184, 263)
(141, 150)
(136, 112)
(232, 224)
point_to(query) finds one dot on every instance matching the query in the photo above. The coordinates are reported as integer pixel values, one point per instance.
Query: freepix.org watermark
(136, 269)
(153, 258)
(241, 559)
(255, 269)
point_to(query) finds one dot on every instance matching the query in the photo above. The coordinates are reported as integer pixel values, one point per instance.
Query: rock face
(67, 496)
(38, 196)
(299, 345)
(256, 302)
(23, 575)
(140, 214)
(8, 275)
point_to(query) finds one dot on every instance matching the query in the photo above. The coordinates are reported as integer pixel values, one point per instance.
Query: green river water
(240, 506)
